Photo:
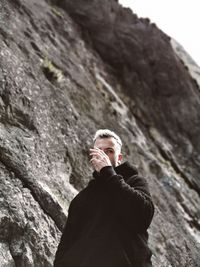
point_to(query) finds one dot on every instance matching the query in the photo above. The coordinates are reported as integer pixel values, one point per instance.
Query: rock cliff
(68, 68)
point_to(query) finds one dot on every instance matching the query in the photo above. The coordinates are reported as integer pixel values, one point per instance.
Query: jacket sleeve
(65, 241)
(130, 200)
(61, 248)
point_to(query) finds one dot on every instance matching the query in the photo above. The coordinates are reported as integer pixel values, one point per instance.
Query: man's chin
(114, 164)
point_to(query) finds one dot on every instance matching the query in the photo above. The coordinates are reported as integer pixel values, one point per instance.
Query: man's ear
(120, 157)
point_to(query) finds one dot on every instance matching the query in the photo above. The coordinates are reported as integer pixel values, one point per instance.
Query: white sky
(179, 19)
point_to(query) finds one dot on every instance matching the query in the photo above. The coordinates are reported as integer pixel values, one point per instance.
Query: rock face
(68, 68)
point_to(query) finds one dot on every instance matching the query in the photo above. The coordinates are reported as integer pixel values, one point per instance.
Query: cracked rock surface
(68, 68)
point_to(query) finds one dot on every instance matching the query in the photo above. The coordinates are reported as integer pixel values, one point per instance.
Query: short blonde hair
(106, 133)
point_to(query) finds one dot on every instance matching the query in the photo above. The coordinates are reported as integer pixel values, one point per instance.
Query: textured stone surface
(67, 70)
(151, 73)
(189, 63)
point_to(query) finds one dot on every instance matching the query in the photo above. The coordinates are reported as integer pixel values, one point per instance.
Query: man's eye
(109, 151)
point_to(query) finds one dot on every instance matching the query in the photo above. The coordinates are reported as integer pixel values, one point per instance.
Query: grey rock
(65, 71)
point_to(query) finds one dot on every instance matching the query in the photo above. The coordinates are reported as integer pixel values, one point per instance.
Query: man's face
(111, 149)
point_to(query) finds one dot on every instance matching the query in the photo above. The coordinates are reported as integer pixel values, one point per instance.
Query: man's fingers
(97, 151)
(93, 160)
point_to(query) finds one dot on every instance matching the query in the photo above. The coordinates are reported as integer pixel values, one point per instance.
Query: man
(108, 220)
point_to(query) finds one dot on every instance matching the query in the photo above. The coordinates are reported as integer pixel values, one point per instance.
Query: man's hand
(99, 159)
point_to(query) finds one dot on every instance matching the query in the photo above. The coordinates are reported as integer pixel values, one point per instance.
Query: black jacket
(108, 221)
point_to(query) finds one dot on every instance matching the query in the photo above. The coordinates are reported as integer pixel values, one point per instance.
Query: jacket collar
(126, 170)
